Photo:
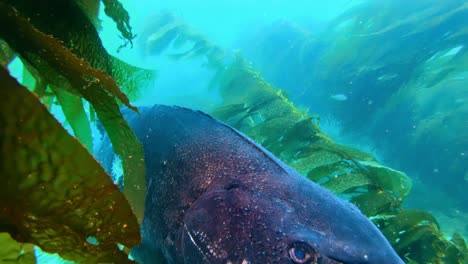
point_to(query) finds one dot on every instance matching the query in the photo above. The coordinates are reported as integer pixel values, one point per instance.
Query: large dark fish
(214, 196)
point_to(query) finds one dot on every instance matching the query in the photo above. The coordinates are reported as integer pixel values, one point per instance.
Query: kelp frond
(67, 66)
(55, 195)
(85, 76)
(167, 31)
(115, 10)
(13, 251)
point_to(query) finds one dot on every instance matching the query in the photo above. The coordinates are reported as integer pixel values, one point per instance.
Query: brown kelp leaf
(54, 194)
(61, 67)
(72, 107)
(11, 251)
(6, 54)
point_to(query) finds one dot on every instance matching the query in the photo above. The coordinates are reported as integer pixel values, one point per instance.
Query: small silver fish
(339, 97)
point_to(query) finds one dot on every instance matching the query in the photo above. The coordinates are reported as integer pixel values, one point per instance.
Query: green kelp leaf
(346, 181)
(64, 69)
(166, 31)
(458, 249)
(374, 201)
(161, 40)
(115, 10)
(91, 9)
(132, 80)
(54, 194)
(127, 146)
(416, 235)
(395, 182)
(229, 111)
(13, 252)
(72, 107)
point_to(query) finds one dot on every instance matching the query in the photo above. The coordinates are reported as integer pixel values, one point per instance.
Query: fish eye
(302, 253)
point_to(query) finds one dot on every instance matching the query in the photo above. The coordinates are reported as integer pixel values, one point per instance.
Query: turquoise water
(389, 78)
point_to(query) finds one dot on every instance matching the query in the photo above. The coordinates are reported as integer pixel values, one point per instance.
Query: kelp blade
(13, 251)
(54, 194)
(85, 72)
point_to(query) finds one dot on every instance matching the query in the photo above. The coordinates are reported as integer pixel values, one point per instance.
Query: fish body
(215, 196)
(339, 97)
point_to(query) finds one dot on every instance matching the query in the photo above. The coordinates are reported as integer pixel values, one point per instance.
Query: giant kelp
(261, 111)
(404, 39)
(69, 56)
(410, 86)
(13, 251)
(54, 194)
(61, 200)
(168, 31)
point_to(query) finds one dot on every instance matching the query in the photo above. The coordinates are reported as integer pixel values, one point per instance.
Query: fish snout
(339, 252)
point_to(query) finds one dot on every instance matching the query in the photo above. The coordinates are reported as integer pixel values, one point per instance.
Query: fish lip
(330, 260)
(389, 257)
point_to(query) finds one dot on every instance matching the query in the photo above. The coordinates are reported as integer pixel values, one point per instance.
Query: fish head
(245, 226)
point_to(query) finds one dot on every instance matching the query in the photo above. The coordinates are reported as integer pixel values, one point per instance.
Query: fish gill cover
(79, 67)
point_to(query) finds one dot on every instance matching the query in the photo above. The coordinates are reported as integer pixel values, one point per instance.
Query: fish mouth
(199, 248)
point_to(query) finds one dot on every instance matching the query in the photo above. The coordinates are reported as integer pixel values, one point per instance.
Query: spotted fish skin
(215, 196)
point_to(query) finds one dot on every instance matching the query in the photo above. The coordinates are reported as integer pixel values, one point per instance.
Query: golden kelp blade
(62, 68)
(12, 251)
(53, 193)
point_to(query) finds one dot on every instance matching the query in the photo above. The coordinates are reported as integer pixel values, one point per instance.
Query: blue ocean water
(394, 84)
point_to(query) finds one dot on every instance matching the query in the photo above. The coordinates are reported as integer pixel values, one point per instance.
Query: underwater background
(367, 98)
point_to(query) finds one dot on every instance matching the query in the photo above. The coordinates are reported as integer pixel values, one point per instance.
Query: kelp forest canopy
(57, 196)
